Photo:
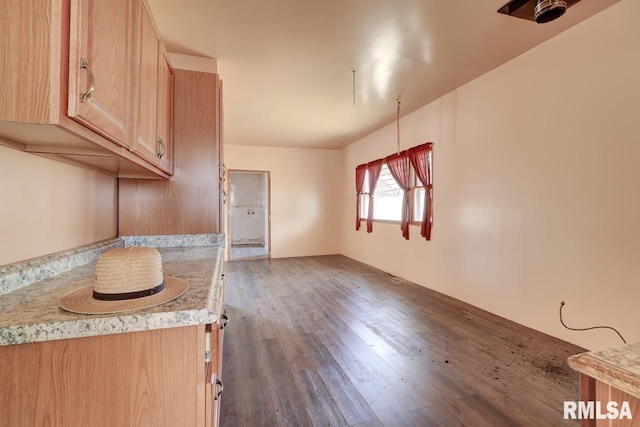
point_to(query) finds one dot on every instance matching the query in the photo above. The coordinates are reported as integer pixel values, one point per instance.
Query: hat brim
(81, 300)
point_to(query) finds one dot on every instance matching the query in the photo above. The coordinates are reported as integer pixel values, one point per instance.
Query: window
(364, 197)
(421, 158)
(413, 169)
(416, 195)
(387, 198)
(418, 204)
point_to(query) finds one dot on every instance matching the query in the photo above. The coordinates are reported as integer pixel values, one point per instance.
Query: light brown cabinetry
(215, 384)
(190, 202)
(151, 378)
(100, 63)
(67, 82)
(153, 94)
(593, 390)
(146, 86)
(609, 387)
(165, 113)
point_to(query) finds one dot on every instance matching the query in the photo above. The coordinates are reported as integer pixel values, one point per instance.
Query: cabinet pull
(219, 383)
(224, 319)
(163, 148)
(207, 347)
(85, 96)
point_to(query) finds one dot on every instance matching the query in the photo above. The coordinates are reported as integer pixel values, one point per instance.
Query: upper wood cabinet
(194, 187)
(152, 136)
(144, 141)
(100, 64)
(68, 79)
(165, 112)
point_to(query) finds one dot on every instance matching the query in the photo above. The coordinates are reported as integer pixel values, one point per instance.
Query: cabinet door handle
(219, 383)
(163, 148)
(224, 320)
(85, 96)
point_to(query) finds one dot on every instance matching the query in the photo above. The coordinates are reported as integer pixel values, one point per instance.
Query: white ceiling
(287, 65)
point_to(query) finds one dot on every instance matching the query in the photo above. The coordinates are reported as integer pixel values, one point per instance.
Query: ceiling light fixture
(549, 10)
(539, 11)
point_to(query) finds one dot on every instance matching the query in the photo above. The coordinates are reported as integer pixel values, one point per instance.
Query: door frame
(228, 210)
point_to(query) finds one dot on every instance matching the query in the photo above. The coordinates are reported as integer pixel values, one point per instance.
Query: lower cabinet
(215, 385)
(166, 377)
(602, 405)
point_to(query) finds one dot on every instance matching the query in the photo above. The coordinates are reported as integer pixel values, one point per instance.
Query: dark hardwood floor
(328, 341)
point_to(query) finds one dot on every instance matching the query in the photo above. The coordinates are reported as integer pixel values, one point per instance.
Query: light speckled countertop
(618, 367)
(31, 313)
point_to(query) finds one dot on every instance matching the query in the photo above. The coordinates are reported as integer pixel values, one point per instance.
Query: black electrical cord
(590, 328)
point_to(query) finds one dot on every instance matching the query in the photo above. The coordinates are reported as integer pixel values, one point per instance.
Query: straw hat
(126, 279)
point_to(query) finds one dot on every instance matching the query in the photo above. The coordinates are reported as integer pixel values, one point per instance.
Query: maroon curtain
(399, 167)
(374, 169)
(361, 171)
(421, 158)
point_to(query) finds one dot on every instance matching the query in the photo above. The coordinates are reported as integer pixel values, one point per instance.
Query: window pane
(387, 198)
(413, 179)
(418, 203)
(365, 185)
(364, 206)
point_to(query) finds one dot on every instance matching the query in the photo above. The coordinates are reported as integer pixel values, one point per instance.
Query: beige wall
(304, 196)
(537, 186)
(47, 206)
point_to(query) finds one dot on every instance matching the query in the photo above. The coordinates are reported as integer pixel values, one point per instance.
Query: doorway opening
(249, 215)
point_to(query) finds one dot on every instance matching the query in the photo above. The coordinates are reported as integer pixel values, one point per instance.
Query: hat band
(128, 295)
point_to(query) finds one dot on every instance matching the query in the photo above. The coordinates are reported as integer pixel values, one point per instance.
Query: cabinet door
(222, 194)
(219, 350)
(214, 387)
(146, 87)
(195, 168)
(165, 113)
(100, 64)
(141, 379)
(218, 385)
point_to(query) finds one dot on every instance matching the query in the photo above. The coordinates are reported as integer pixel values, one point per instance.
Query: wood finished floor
(328, 341)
